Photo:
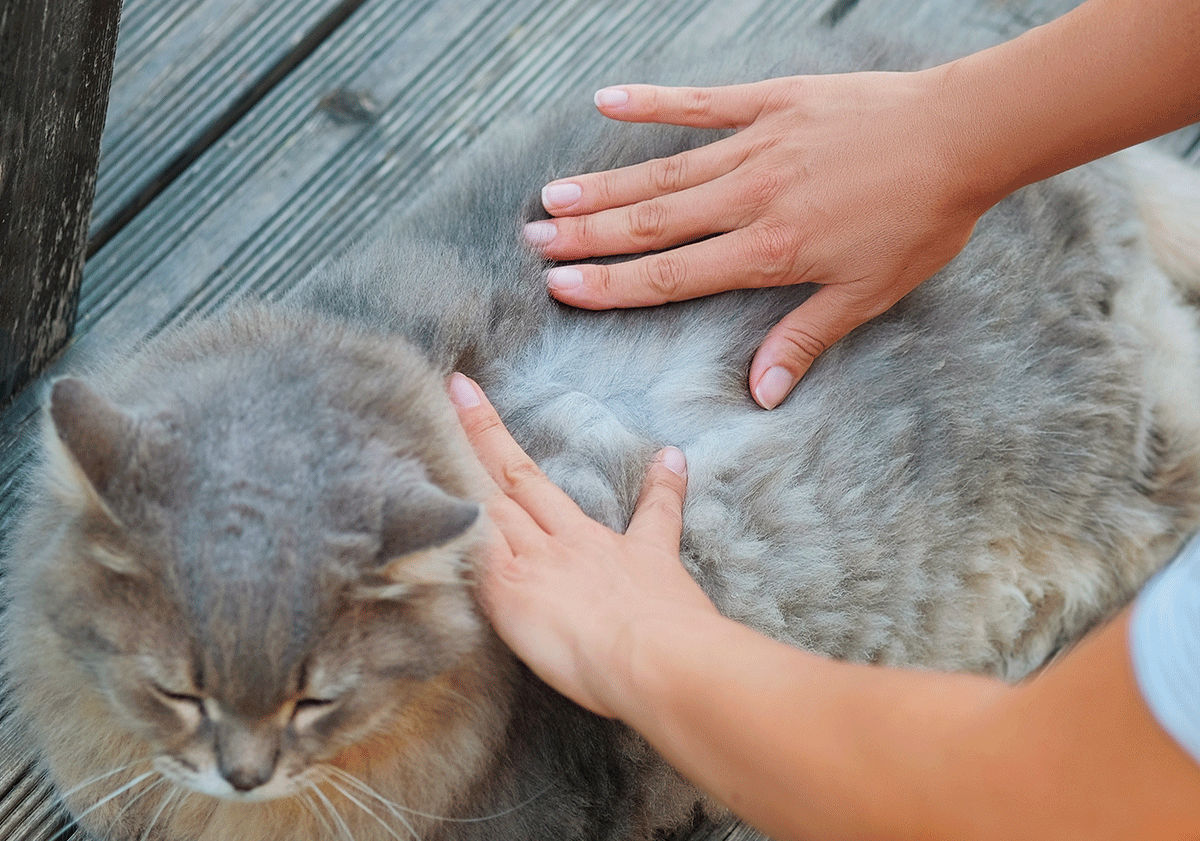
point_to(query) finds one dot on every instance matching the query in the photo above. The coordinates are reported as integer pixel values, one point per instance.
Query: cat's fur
(277, 503)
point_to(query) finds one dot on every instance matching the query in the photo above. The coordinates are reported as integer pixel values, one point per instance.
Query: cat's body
(272, 507)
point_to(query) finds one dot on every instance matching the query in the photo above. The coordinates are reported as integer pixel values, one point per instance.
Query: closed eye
(314, 703)
(308, 710)
(179, 697)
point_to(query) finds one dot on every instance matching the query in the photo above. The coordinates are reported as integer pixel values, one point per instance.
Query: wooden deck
(249, 139)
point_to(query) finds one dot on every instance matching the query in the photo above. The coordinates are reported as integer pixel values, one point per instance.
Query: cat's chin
(209, 782)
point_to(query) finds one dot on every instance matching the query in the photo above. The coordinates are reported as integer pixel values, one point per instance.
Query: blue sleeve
(1164, 643)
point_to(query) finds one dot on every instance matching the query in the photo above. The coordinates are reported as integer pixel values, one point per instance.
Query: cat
(241, 587)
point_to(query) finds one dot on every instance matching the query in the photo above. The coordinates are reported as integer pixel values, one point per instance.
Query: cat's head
(252, 582)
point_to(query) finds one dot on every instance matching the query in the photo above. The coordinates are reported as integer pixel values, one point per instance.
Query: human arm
(809, 748)
(866, 183)
(801, 746)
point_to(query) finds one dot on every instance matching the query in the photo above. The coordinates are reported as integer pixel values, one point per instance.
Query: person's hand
(563, 591)
(851, 181)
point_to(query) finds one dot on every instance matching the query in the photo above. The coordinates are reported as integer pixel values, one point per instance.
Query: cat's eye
(180, 698)
(314, 703)
(308, 710)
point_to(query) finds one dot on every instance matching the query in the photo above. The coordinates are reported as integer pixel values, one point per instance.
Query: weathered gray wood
(306, 170)
(185, 71)
(727, 830)
(55, 66)
(351, 132)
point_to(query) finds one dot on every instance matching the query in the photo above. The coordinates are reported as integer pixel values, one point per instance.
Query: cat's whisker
(333, 813)
(310, 803)
(166, 801)
(362, 786)
(136, 798)
(184, 795)
(77, 818)
(346, 794)
(99, 777)
(349, 778)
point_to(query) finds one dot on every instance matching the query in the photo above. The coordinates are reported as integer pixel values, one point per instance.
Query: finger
(629, 184)
(658, 517)
(510, 468)
(802, 335)
(513, 531)
(637, 228)
(727, 106)
(762, 254)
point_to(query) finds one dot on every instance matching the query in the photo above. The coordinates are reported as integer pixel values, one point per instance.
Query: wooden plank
(183, 241)
(185, 71)
(348, 135)
(730, 829)
(54, 79)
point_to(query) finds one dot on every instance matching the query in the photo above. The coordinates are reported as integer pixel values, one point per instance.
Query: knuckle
(773, 246)
(600, 188)
(649, 99)
(483, 425)
(664, 510)
(580, 230)
(784, 93)
(696, 102)
(507, 569)
(647, 222)
(519, 472)
(668, 175)
(801, 344)
(665, 276)
(764, 187)
(602, 282)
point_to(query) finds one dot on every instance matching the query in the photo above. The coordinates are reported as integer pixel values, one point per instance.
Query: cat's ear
(420, 526)
(96, 435)
(420, 516)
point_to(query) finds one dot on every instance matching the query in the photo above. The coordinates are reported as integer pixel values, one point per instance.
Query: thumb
(658, 516)
(802, 335)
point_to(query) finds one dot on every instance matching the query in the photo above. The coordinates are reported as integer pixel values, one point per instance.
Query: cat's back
(996, 419)
(992, 444)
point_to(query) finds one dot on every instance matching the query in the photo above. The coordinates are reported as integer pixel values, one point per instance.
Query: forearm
(808, 748)
(803, 747)
(1107, 75)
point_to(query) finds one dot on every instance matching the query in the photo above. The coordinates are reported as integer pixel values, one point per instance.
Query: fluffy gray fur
(275, 506)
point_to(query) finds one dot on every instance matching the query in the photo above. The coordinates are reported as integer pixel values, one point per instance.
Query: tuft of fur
(278, 503)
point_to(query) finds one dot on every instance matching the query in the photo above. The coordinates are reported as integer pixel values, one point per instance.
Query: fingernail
(674, 460)
(610, 97)
(564, 278)
(539, 233)
(560, 195)
(773, 386)
(462, 393)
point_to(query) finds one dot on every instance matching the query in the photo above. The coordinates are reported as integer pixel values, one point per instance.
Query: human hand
(564, 592)
(850, 181)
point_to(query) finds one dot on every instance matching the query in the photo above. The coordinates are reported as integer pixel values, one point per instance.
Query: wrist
(654, 656)
(978, 166)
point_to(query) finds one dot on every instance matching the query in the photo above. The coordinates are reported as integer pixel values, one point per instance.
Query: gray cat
(241, 588)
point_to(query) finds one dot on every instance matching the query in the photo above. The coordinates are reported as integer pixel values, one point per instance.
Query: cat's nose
(246, 779)
(247, 752)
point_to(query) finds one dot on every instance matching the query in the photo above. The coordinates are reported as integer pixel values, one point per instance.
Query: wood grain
(349, 126)
(54, 81)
